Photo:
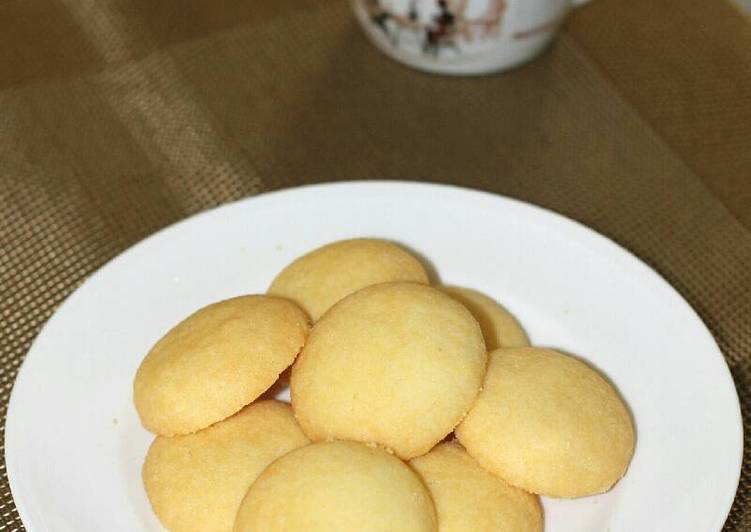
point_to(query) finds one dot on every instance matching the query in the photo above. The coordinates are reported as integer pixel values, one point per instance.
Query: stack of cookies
(414, 408)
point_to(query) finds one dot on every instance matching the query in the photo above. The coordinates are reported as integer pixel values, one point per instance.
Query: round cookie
(548, 423)
(398, 364)
(322, 277)
(216, 361)
(499, 327)
(467, 497)
(195, 482)
(337, 486)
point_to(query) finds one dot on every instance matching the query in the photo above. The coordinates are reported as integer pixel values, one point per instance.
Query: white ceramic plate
(74, 445)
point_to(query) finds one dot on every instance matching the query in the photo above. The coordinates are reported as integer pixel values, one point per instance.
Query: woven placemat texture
(685, 66)
(119, 118)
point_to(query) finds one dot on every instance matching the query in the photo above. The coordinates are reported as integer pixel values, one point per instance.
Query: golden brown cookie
(337, 487)
(322, 277)
(467, 497)
(397, 364)
(499, 327)
(216, 361)
(548, 423)
(196, 482)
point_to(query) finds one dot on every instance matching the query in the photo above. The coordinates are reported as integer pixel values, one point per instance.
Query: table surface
(120, 117)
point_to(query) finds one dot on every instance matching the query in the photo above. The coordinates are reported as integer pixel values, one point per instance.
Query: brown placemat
(685, 65)
(118, 118)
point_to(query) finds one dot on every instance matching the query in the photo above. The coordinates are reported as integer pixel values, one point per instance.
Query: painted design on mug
(462, 36)
(443, 27)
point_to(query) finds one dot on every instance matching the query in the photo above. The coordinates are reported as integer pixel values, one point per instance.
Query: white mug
(462, 36)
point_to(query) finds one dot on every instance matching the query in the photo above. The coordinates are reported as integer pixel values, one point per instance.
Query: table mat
(686, 66)
(120, 117)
